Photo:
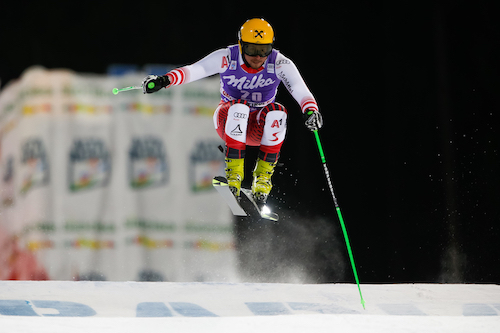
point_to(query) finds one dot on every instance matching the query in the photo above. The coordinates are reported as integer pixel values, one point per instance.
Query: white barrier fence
(111, 187)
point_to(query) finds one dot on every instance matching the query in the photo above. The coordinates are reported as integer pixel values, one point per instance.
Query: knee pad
(237, 122)
(274, 128)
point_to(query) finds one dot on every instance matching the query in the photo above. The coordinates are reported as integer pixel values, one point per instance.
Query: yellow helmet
(256, 31)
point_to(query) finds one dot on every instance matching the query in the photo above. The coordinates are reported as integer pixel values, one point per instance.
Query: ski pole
(337, 208)
(116, 90)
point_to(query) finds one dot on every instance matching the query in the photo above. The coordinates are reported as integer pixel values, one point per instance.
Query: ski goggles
(253, 50)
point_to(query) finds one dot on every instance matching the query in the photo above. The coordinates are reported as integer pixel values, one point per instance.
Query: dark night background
(409, 93)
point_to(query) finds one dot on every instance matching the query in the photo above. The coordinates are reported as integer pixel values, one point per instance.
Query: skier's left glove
(153, 83)
(313, 119)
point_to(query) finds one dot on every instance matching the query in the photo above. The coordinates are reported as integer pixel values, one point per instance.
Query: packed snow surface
(66, 306)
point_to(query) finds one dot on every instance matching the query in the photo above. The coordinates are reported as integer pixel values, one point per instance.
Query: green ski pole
(337, 208)
(151, 85)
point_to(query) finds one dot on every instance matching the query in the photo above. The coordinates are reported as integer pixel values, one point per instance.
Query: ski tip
(271, 217)
(266, 213)
(263, 211)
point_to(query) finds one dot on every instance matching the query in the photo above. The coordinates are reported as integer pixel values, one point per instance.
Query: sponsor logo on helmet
(258, 33)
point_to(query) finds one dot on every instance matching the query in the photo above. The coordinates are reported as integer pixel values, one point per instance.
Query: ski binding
(246, 206)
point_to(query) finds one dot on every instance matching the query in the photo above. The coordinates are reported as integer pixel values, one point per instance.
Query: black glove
(153, 83)
(313, 119)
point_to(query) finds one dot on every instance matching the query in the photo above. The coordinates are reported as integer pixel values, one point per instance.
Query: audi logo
(239, 115)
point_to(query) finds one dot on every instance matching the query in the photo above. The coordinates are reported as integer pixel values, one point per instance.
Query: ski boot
(261, 184)
(234, 174)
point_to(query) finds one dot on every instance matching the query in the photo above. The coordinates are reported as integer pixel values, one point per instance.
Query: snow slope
(66, 306)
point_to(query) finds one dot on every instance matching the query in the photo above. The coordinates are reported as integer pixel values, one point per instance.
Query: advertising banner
(96, 186)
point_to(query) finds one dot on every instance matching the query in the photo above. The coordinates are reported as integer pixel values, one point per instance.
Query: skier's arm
(292, 80)
(209, 65)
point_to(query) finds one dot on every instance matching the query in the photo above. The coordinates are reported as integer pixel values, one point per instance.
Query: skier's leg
(231, 122)
(273, 123)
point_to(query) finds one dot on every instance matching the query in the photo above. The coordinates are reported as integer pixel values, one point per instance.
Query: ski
(246, 206)
(264, 212)
(220, 184)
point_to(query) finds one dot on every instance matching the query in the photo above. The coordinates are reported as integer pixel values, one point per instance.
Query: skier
(250, 73)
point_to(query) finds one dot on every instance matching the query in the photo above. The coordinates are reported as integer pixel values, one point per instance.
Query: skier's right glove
(153, 83)
(313, 119)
